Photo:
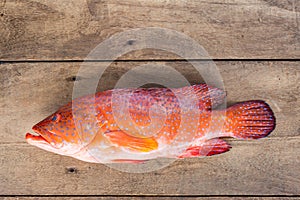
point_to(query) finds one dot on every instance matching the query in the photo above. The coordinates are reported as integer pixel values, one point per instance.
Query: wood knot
(73, 78)
(130, 42)
(71, 170)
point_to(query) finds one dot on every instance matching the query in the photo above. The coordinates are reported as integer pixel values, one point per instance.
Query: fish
(134, 125)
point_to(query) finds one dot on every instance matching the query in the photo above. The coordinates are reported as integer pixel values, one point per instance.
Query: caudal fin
(250, 120)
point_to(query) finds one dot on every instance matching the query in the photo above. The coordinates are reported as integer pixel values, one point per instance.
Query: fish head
(56, 133)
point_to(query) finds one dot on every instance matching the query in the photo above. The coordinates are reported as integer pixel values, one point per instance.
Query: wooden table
(254, 43)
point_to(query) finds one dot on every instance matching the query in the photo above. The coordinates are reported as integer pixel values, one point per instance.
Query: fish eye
(56, 118)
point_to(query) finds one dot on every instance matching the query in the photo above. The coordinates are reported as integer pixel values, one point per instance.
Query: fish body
(134, 125)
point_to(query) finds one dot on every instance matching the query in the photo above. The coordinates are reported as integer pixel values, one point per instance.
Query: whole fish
(97, 128)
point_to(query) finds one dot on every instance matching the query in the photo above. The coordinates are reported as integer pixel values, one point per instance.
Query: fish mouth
(37, 138)
(41, 137)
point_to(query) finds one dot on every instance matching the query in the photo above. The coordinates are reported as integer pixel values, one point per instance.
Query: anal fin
(208, 148)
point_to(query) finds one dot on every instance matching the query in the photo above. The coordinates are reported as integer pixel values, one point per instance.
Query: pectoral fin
(122, 139)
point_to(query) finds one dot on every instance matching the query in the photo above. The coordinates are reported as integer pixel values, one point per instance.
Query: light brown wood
(48, 30)
(31, 91)
(263, 167)
(64, 30)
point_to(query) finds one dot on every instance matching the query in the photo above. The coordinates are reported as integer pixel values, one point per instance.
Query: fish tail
(250, 120)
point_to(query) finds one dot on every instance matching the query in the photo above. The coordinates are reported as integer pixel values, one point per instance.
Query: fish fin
(122, 139)
(208, 96)
(208, 148)
(129, 161)
(250, 120)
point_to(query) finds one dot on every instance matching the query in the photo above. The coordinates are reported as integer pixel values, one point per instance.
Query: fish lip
(40, 137)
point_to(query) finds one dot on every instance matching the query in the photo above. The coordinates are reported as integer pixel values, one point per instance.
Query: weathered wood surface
(31, 91)
(64, 30)
(263, 167)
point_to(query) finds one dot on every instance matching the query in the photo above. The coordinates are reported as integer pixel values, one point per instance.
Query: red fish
(87, 128)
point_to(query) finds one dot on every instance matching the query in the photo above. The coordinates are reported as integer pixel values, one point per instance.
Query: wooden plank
(262, 167)
(50, 30)
(32, 91)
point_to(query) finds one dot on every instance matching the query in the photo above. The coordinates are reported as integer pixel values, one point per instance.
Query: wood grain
(264, 167)
(31, 91)
(64, 30)
(47, 31)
